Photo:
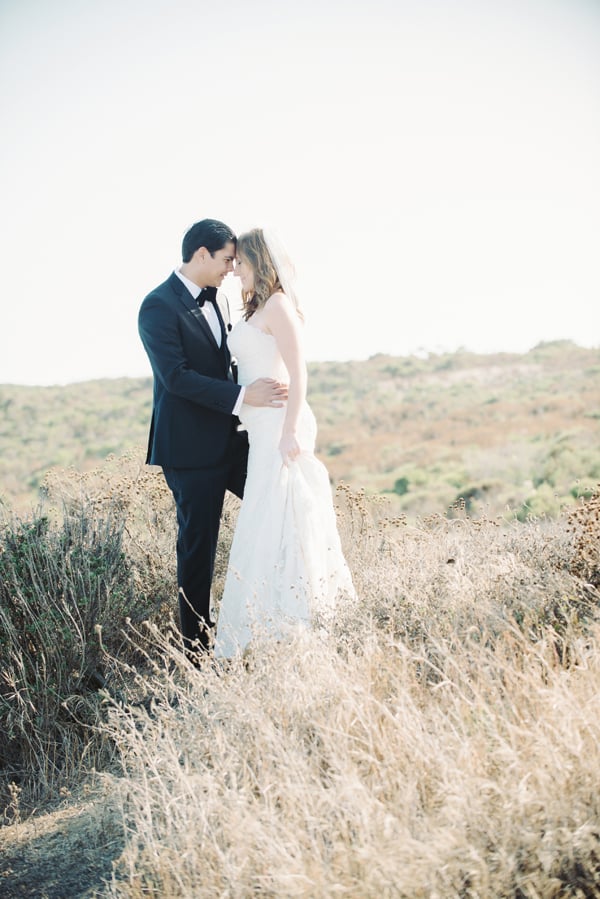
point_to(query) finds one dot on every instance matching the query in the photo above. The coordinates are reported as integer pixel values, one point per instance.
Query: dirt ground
(65, 853)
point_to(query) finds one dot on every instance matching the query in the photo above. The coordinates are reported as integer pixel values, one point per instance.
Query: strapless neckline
(254, 328)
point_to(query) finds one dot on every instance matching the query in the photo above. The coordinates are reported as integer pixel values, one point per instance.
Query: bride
(286, 567)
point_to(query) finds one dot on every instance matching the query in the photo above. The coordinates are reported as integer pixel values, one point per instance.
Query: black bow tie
(207, 294)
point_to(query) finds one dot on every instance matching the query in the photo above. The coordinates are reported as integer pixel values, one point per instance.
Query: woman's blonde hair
(253, 246)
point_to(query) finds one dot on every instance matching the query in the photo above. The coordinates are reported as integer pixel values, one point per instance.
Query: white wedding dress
(286, 567)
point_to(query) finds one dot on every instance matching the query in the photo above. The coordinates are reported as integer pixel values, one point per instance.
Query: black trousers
(199, 495)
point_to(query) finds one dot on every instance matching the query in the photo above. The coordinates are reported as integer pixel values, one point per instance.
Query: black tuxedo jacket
(194, 389)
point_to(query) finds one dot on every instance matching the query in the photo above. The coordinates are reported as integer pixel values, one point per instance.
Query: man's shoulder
(165, 291)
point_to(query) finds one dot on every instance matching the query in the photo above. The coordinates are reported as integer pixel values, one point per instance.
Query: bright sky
(432, 165)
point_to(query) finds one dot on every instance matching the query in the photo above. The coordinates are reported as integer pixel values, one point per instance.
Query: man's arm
(161, 339)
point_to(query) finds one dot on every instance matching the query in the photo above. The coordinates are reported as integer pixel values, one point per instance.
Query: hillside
(502, 432)
(440, 737)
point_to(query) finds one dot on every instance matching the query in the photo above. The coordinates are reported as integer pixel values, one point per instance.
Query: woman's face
(244, 272)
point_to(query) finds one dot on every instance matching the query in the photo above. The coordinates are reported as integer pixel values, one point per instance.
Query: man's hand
(266, 392)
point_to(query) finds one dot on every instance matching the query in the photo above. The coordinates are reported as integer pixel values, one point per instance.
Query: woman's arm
(282, 321)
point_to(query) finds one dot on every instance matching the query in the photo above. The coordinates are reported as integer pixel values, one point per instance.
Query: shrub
(584, 525)
(57, 583)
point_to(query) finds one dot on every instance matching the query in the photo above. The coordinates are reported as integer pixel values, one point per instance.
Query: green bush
(401, 486)
(57, 583)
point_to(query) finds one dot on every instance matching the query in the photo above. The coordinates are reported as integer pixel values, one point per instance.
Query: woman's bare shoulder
(279, 303)
(278, 298)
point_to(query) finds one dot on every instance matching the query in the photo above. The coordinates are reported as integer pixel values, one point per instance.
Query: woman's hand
(289, 447)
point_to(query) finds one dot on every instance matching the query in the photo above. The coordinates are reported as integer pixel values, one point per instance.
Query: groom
(193, 432)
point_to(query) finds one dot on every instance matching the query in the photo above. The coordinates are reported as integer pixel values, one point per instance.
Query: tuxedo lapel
(185, 297)
(199, 316)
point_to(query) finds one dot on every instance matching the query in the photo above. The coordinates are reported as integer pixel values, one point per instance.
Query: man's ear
(200, 254)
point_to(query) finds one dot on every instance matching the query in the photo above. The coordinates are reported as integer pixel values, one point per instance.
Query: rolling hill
(517, 433)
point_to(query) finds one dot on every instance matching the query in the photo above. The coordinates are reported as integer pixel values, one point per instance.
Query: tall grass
(442, 739)
(315, 772)
(72, 574)
(56, 585)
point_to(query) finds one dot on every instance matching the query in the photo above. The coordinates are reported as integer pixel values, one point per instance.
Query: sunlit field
(442, 739)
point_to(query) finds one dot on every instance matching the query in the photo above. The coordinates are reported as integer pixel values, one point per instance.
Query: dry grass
(99, 554)
(316, 773)
(443, 740)
(124, 487)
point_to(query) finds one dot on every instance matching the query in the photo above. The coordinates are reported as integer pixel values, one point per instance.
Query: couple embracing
(230, 413)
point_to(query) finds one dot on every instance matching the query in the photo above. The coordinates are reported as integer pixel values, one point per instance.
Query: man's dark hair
(208, 233)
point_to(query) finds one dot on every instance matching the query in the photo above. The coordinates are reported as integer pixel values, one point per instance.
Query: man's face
(218, 265)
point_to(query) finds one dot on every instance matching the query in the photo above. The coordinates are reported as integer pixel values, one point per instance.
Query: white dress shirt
(210, 314)
(208, 310)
